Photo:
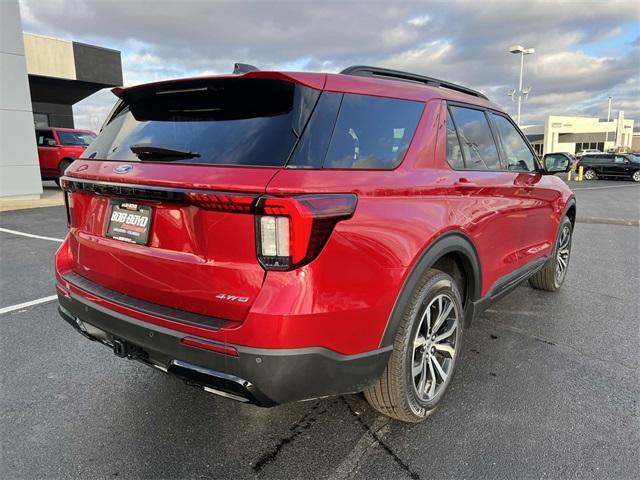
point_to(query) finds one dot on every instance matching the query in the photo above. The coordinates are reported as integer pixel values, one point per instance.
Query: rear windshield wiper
(149, 151)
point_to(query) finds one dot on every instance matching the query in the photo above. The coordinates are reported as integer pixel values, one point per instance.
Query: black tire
(395, 394)
(64, 164)
(589, 174)
(548, 277)
(636, 176)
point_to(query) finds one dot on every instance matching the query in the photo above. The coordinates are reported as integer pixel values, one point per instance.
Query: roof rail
(365, 71)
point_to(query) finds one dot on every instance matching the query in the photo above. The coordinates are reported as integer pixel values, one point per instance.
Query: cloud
(420, 21)
(584, 50)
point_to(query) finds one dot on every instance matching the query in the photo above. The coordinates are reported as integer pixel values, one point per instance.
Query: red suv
(277, 236)
(58, 148)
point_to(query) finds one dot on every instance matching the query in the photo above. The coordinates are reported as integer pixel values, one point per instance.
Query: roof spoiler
(366, 71)
(181, 85)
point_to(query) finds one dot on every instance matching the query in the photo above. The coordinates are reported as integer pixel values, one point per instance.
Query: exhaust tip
(219, 383)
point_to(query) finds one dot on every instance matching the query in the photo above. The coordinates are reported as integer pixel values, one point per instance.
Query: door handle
(463, 183)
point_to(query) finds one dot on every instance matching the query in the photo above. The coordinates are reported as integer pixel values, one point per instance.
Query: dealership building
(41, 78)
(572, 134)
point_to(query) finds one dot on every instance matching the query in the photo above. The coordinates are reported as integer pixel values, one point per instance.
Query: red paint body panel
(193, 253)
(343, 299)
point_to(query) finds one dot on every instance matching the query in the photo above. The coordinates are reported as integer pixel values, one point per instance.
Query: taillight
(222, 201)
(291, 231)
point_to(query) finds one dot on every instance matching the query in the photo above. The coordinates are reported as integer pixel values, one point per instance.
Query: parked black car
(612, 165)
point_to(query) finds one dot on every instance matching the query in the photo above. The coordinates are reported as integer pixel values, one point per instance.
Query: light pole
(606, 140)
(522, 51)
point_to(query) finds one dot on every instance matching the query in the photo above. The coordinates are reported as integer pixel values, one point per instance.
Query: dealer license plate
(129, 222)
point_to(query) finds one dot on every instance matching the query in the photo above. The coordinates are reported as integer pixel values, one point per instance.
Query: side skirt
(503, 286)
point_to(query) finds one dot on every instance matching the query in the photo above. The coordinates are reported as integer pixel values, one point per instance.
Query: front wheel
(425, 351)
(590, 174)
(551, 276)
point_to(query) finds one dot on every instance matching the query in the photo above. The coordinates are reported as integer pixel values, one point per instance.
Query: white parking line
(20, 306)
(604, 187)
(30, 235)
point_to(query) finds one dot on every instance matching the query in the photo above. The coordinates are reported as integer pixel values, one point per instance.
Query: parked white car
(587, 151)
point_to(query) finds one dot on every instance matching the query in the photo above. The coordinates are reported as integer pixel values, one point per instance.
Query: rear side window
(597, 158)
(516, 151)
(45, 138)
(454, 152)
(478, 147)
(253, 122)
(372, 132)
(314, 143)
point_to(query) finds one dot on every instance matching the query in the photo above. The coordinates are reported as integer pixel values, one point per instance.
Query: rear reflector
(214, 347)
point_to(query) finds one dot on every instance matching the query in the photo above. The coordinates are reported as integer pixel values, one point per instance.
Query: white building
(572, 134)
(41, 78)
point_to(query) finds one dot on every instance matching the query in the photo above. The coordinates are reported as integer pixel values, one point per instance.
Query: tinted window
(226, 121)
(372, 132)
(75, 138)
(313, 145)
(516, 151)
(478, 146)
(454, 152)
(594, 157)
(45, 138)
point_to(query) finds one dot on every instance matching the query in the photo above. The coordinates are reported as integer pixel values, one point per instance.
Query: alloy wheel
(636, 176)
(434, 347)
(562, 254)
(589, 175)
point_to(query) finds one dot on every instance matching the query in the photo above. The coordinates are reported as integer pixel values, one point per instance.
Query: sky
(586, 50)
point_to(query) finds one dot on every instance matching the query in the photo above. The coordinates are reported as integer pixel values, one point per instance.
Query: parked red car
(58, 147)
(276, 236)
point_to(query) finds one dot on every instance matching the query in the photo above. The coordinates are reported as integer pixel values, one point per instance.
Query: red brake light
(293, 230)
(222, 201)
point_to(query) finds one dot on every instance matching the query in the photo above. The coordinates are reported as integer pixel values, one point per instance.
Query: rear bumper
(261, 376)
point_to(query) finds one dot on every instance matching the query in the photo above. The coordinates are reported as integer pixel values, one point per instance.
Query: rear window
(254, 122)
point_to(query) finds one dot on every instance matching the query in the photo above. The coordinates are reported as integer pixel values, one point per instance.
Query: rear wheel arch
(65, 160)
(453, 253)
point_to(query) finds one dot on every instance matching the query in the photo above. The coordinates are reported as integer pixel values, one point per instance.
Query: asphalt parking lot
(548, 385)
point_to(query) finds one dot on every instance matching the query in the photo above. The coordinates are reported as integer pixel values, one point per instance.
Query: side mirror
(50, 142)
(556, 163)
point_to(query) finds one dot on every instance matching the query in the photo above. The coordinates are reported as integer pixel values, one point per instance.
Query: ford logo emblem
(122, 168)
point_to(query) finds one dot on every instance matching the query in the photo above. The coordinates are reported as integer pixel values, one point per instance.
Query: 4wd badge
(232, 298)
